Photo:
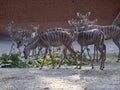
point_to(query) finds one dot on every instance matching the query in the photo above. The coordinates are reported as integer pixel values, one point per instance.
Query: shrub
(13, 60)
(9, 60)
(29, 63)
(70, 60)
(56, 58)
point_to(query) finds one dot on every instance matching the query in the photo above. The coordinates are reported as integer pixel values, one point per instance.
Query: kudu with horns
(89, 37)
(110, 31)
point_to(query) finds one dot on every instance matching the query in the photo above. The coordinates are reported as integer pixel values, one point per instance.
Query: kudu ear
(88, 14)
(12, 22)
(79, 15)
(38, 26)
(93, 22)
(96, 20)
(75, 21)
(69, 22)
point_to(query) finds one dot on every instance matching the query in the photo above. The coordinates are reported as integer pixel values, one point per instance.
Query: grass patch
(112, 55)
(111, 59)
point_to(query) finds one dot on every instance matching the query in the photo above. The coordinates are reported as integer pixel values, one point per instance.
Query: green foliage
(13, 60)
(30, 63)
(46, 62)
(9, 60)
(56, 58)
(86, 61)
(5, 61)
(70, 60)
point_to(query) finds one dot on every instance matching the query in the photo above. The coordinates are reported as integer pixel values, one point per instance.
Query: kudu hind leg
(61, 61)
(42, 64)
(81, 57)
(11, 48)
(103, 56)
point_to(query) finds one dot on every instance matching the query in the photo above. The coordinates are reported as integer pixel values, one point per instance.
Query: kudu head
(9, 25)
(74, 24)
(74, 27)
(19, 36)
(35, 29)
(9, 28)
(84, 20)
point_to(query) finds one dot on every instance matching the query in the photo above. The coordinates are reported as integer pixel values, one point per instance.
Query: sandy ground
(65, 78)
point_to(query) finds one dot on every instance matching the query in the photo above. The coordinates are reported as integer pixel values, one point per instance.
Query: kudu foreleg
(11, 48)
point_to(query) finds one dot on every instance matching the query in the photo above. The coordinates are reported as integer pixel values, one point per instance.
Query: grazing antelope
(89, 37)
(29, 36)
(53, 37)
(110, 31)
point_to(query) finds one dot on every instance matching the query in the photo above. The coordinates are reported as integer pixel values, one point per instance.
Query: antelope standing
(92, 36)
(86, 26)
(110, 31)
(52, 37)
(15, 35)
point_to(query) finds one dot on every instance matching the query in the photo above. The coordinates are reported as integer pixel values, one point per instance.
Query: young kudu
(53, 37)
(15, 35)
(29, 37)
(110, 31)
(86, 26)
(89, 37)
(18, 34)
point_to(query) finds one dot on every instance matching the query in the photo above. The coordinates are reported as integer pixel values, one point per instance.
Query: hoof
(58, 67)
(118, 60)
(77, 67)
(53, 67)
(101, 68)
(40, 68)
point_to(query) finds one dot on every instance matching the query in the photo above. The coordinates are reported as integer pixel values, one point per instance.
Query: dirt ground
(65, 78)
